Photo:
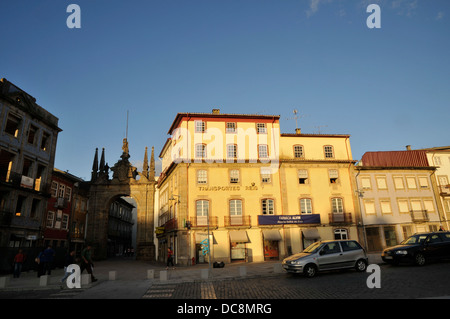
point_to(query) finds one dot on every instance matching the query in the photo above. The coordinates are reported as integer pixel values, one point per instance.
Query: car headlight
(401, 252)
(295, 262)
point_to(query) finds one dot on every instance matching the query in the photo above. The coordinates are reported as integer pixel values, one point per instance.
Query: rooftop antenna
(296, 117)
(319, 131)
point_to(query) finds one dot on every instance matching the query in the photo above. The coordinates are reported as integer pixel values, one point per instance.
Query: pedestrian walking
(47, 259)
(86, 262)
(40, 264)
(170, 258)
(70, 259)
(18, 263)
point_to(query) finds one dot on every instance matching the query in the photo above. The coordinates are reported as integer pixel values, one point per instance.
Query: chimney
(216, 111)
(298, 131)
(408, 147)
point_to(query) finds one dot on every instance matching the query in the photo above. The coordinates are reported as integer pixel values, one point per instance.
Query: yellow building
(258, 193)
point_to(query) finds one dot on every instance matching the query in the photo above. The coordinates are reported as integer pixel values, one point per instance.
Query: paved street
(261, 281)
(402, 282)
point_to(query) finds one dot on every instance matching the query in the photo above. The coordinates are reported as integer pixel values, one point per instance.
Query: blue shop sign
(288, 219)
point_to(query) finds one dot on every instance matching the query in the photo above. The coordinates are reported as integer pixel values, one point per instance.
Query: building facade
(440, 158)
(397, 197)
(59, 209)
(234, 189)
(120, 227)
(28, 137)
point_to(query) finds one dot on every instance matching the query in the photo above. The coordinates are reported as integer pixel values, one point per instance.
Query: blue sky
(386, 87)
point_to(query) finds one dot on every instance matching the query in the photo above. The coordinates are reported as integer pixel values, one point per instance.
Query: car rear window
(350, 245)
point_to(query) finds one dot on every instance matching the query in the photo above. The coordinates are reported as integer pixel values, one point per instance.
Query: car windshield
(416, 239)
(313, 247)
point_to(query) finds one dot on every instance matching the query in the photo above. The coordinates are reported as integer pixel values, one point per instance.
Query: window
(32, 134)
(231, 151)
(6, 163)
(13, 125)
(262, 151)
(411, 182)
(305, 206)
(202, 211)
(366, 183)
(403, 206)
(266, 176)
(381, 182)
(200, 126)
(337, 205)
(235, 207)
(68, 193)
(35, 205)
(398, 182)
(261, 128)
(416, 205)
(369, 207)
(428, 203)
(50, 219)
(200, 151)
(333, 175)
(302, 176)
(45, 141)
(385, 206)
(231, 127)
(202, 176)
(298, 151)
(267, 207)
(437, 161)
(20, 206)
(234, 176)
(346, 246)
(423, 182)
(54, 189)
(61, 190)
(328, 150)
(27, 168)
(65, 221)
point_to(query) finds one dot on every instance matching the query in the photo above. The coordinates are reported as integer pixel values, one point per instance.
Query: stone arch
(103, 191)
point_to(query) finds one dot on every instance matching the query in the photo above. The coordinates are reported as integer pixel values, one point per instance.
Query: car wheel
(310, 271)
(420, 259)
(361, 265)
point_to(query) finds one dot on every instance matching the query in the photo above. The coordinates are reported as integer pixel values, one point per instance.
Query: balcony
(444, 190)
(237, 221)
(202, 222)
(419, 216)
(340, 218)
(60, 203)
(171, 224)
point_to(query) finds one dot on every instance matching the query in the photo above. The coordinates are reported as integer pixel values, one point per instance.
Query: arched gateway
(126, 181)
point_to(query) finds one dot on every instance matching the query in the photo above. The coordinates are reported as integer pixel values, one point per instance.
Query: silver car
(327, 255)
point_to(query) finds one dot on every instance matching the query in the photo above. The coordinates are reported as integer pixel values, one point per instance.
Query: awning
(239, 236)
(199, 237)
(272, 235)
(311, 233)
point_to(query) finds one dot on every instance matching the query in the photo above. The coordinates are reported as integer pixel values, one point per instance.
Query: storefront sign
(288, 219)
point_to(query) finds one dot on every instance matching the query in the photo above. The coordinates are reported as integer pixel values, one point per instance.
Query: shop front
(238, 246)
(271, 238)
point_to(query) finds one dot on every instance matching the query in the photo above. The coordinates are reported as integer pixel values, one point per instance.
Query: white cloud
(314, 6)
(440, 15)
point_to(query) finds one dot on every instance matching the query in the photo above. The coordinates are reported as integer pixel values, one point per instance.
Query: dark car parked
(419, 249)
